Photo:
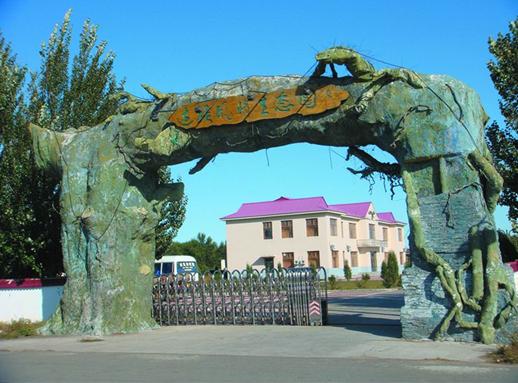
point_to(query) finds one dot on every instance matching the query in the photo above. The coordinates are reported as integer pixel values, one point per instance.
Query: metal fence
(285, 297)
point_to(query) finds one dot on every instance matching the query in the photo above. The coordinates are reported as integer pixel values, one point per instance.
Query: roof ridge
(350, 203)
(290, 199)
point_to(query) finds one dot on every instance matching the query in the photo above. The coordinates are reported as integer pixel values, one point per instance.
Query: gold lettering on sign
(261, 106)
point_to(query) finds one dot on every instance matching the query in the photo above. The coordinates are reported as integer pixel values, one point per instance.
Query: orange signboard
(260, 106)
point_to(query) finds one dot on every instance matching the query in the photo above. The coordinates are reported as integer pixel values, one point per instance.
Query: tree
(390, 271)
(173, 215)
(383, 273)
(208, 253)
(17, 243)
(347, 271)
(508, 246)
(503, 141)
(58, 98)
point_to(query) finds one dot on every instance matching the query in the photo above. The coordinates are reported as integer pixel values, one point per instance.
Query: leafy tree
(83, 96)
(17, 243)
(390, 271)
(208, 253)
(383, 270)
(59, 97)
(348, 274)
(173, 215)
(503, 141)
(508, 246)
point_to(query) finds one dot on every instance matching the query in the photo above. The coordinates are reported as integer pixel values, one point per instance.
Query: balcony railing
(371, 243)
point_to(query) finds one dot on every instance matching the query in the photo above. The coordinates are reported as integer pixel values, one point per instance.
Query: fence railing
(284, 297)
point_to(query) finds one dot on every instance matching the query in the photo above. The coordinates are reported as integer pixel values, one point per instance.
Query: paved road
(369, 311)
(146, 367)
(362, 344)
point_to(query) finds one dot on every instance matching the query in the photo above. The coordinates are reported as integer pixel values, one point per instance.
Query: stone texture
(110, 197)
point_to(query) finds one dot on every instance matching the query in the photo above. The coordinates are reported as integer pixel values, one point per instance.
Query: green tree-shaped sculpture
(432, 125)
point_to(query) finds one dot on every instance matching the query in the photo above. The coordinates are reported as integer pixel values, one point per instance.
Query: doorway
(374, 262)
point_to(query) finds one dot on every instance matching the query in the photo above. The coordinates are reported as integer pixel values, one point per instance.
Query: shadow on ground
(376, 313)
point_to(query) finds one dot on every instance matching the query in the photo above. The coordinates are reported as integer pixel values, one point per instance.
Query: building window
(372, 231)
(401, 258)
(314, 259)
(399, 234)
(385, 234)
(334, 256)
(334, 228)
(352, 230)
(287, 229)
(342, 228)
(288, 260)
(268, 263)
(267, 230)
(312, 227)
(354, 259)
(386, 255)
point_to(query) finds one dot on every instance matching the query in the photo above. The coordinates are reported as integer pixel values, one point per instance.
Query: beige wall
(245, 243)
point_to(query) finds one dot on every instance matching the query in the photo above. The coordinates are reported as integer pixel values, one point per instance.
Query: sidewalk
(285, 341)
(363, 324)
(362, 344)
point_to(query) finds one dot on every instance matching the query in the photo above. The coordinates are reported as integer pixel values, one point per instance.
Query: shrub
(17, 328)
(507, 353)
(332, 282)
(390, 271)
(363, 282)
(347, 271)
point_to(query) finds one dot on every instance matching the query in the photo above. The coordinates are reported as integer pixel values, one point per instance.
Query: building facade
(309, 232)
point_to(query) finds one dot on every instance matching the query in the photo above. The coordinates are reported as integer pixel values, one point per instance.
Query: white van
(176, 264)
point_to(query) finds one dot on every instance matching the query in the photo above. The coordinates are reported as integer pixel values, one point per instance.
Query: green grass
(349, 285)
(19, 328)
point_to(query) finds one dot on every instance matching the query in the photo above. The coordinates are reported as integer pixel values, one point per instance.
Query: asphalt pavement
(361, 344)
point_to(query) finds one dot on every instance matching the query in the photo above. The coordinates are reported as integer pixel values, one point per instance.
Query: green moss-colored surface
(110, 199)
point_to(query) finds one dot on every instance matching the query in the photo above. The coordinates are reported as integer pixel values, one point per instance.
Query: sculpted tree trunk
(432, 125)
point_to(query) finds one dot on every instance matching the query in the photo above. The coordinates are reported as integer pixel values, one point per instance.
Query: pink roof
(359, 209)
(285, 205)
(281, 205)
(387, 217)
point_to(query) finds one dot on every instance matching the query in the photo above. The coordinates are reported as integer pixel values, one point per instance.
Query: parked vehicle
(177, 264)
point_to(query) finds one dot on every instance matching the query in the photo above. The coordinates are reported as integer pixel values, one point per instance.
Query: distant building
(308, 231)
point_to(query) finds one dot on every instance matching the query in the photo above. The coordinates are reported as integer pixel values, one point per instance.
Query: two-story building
(307, 231)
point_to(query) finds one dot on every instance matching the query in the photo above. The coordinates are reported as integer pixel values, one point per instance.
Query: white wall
(35, 304)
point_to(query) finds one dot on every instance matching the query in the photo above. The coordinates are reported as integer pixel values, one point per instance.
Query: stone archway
(433, 125)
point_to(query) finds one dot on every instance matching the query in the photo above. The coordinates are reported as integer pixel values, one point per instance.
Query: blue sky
(178, 46)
